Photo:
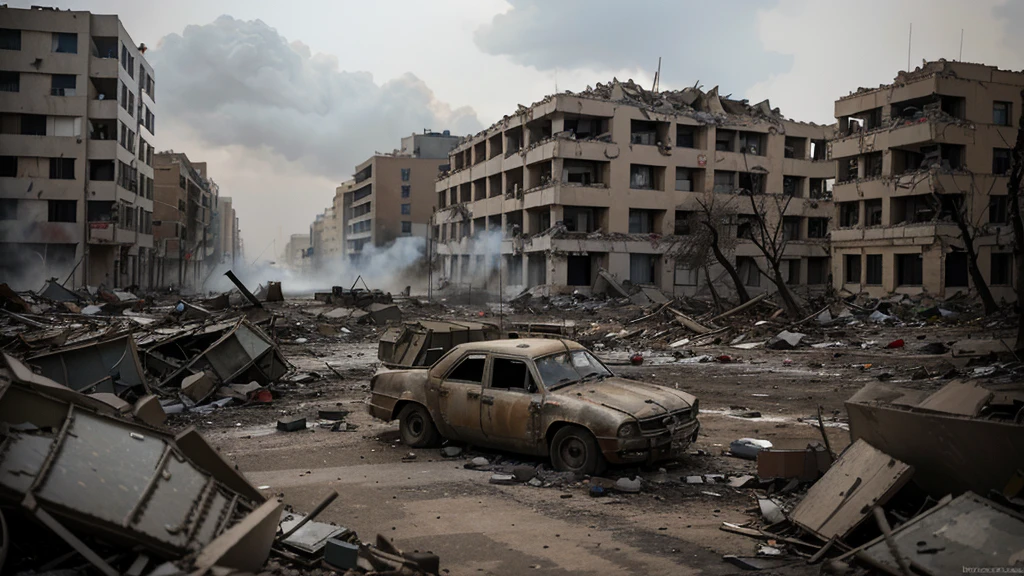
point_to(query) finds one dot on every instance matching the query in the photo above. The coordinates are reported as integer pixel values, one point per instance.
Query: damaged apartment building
(615, 178)
(187, 222)
(915, 160)
(390, 196)
(76, 134)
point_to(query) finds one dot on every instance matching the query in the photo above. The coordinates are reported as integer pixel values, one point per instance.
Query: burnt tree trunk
(972, 265)
(741, 290)
(793, 310)
(1013, 191)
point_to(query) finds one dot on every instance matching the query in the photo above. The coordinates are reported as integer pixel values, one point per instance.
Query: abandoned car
(538, 396)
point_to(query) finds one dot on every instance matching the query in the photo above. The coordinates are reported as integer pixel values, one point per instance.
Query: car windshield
(565, 368)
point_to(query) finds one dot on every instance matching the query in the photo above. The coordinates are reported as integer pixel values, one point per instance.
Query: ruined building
(228, 245)
(615, 178)
(390, 196)
(76, 150)
(912, 158)
(186, 222)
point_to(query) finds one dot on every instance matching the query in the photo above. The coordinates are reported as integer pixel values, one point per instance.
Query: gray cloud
(712, 43)
(237, 82)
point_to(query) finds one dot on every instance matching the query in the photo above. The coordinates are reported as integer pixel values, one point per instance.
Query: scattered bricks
(291, 424)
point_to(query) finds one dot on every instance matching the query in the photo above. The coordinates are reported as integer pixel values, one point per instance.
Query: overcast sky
(283, 99)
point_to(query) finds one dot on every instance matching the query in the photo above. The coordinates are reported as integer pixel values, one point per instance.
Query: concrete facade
(184, 216)
(907, 156)
(612, 178)
(228, 238)
(76, 141)
(296, 251)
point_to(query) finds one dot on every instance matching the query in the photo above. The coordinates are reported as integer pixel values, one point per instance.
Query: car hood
(638, 399)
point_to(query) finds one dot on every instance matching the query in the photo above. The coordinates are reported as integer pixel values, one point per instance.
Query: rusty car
(545, 397)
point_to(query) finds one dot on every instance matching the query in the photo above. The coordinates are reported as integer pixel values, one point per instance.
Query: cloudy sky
(282, 99)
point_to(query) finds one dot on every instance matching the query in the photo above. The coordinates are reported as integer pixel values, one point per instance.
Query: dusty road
(435, 504)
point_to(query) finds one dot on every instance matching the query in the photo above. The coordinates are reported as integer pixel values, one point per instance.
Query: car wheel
(416, 427)
(574, 449)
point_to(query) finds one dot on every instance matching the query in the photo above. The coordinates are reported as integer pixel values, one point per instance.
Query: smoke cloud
(235, 82)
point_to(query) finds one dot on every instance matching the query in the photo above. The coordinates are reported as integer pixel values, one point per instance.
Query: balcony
(103, 108)
(103, 67)
(109, 233)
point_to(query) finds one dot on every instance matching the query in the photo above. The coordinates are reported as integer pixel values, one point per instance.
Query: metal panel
(22, 460)
(167, 513)
(311, 537)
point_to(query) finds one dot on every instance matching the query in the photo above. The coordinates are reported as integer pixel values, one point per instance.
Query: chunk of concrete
(341, 554)
(148, 410)
(631, 485)
(748, 447)
(786, 340)
(291, 424)
(198, 387)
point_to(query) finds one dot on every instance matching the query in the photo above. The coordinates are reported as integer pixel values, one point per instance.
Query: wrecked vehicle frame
(538, 396)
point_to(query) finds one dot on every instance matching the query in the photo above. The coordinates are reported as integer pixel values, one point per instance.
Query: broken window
(725, 182)
(848, 169)
(748, 271)
(643, 132)
(513, 140)
(908, 270)
(480, 152)
(792, 186)
(745, 227)
(873, 212)
(641, 268)
(578, 270)
(872, 164)
(904, 161)
(686, 136)
(578, 219)
(582, 172)
(953, 105)
(790, 228)
(849, 214)
(751, 182)
(641, 177)
(539, 130)
(956, 270)
(1000, 160)
(998, 212)
(852, 268)
(584, 127)
(1001, 268)
(513, 375)
(821, 188)
(471, 368)
(913, 209)
(817, 270)
(953, 156)
(873, 270)
(682, 223)
(1002, 113)
(819, 149)
(725, 140)
(641, 221)
(795, 148)
(62, 210)
(751, 143)
(792, 272)
(817, 227)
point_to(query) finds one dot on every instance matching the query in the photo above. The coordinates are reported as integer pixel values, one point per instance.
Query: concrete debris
(748, 447)
(628, 485)
(786, 340)
(291, 424)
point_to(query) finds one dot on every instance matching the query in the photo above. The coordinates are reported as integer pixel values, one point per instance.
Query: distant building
(76, 149)
(183, 221)
(296, 252)
(228, 239)
(911, 155)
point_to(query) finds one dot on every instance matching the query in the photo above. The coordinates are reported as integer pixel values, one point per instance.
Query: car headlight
(696, 407)
(629, 430)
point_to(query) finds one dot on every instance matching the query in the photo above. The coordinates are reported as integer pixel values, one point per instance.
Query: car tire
(416, 427)
(574, 449)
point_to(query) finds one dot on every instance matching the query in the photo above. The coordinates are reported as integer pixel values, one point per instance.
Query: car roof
(528, 347)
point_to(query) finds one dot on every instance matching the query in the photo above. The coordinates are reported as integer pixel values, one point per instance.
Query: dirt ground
(435, 504)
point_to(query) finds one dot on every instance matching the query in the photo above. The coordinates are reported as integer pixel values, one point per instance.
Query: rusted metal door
(510, 404)
(459, 397)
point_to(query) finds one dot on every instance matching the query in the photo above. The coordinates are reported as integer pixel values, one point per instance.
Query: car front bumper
(667, 445)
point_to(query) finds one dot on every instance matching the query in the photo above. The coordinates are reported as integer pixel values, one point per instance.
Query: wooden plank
(862, 477)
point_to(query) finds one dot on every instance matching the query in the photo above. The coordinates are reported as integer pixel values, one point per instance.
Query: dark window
(852, 273)
(10, 81)
(66, 42)
(507, 374)
(471, 369)
(641, 221)
(1002, 265)
(62, 210)
(908, 270)
(956, 270)
(578, 271)
(406, 191)
(1000, 160)
(873, 212)
(682, 227)
(641, 268)
(406, 173)
(33, 125)
(817, 227)
(997, 210)
(817, 270)
(8, 208)
(791, 185)
(641, 177)
(8, 166)
(873, 269)
(793, 272)
(748, 271)
(406, 208)
(1002, 113)
(63, 84)
(790, 228)
(849, 214)
(686, 136)
(62, 168)
(10, 39)
(406, 227)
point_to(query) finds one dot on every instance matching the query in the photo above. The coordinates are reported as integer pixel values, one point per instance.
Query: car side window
(469, 369)
(509, 374)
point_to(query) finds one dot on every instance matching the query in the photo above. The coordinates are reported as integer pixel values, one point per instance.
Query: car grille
(661, 423)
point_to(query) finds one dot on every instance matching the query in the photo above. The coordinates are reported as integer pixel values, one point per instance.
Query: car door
(459, 396)
(510, 404)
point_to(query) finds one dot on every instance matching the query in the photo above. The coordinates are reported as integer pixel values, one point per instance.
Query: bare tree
(1013, 191)
(768, 233)
(712, 238)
